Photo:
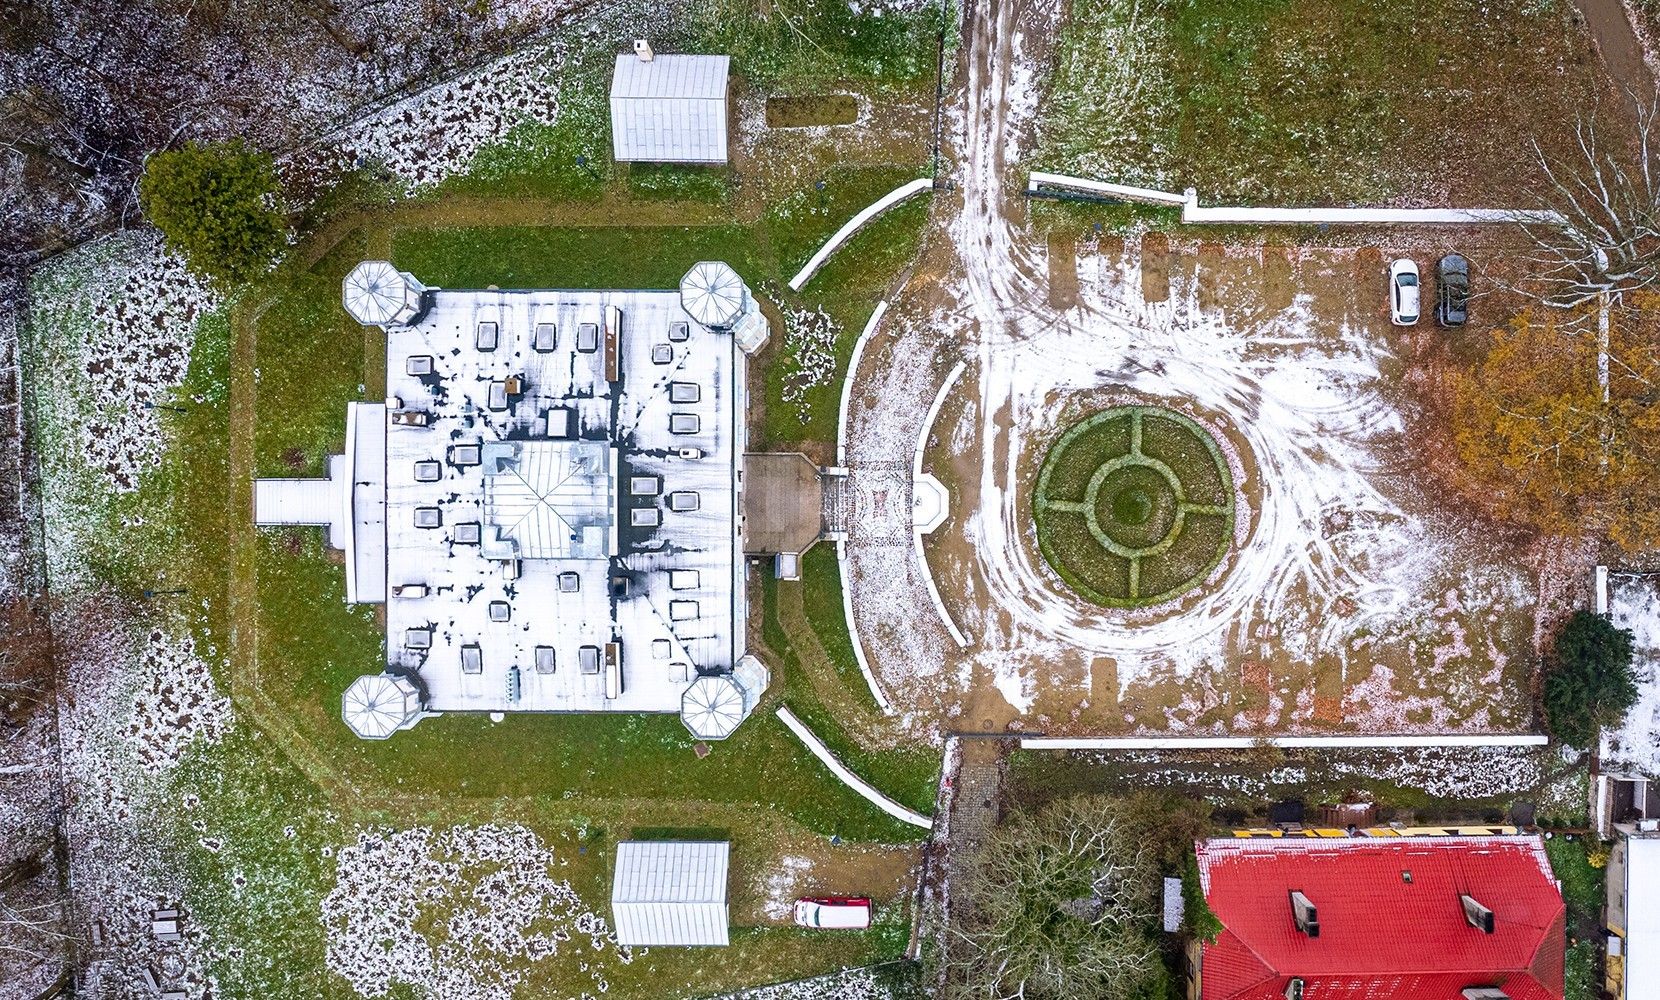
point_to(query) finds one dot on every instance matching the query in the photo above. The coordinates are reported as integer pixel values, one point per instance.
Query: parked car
(1452, 290)
(833, 912)
(1403, 293)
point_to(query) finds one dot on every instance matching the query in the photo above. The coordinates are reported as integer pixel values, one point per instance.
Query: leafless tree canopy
(1063, 905)
(1608, 194)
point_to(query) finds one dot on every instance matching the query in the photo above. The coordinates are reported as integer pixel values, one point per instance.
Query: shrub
(1589, 683)
(218, 206)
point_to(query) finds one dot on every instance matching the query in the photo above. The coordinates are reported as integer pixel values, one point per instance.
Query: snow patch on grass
(455, 912)
(139, 707)
(782, 883)
(427, 137)
(129, 307)
(810, 337)
(1634, 603)
(176, 702)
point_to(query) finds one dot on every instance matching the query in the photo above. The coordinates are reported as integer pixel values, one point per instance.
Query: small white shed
(670, 892)
(669, 109)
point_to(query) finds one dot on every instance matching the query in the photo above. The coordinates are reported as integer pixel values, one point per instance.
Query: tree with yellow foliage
(1542, 444)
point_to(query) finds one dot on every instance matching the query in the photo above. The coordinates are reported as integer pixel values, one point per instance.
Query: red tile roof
(1381, 937)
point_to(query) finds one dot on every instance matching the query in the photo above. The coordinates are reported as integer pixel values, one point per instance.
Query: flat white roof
(1634, 745)
(1642, 930)
(617, 618)
(669, 110)
(670, 892)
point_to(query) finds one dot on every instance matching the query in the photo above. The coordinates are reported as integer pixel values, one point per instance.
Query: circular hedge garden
(1134, 506)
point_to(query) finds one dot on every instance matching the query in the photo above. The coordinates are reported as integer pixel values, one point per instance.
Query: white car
(833, 912)
(1403, 293)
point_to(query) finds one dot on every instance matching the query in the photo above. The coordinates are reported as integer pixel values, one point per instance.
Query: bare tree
(1060, 905)
(1607, 194)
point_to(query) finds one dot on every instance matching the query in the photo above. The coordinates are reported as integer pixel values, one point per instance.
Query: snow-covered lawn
(1634, 603)
(113, 322)
(459, 913)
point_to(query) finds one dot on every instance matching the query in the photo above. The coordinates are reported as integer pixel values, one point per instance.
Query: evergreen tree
(218, 207)
(1589, 684)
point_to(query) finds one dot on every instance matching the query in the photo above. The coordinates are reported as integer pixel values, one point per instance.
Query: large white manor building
(548, 502)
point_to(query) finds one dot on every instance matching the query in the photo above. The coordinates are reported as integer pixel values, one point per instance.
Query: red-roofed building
(1409, 918)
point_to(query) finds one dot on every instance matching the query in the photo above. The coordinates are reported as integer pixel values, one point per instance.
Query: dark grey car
(1452, 290)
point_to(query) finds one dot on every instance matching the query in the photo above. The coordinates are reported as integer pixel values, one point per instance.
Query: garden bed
(807, 112)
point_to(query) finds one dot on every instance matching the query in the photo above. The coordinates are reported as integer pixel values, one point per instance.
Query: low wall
(1041, 182)
(1287, 742)
(853, 225)
(847, 777)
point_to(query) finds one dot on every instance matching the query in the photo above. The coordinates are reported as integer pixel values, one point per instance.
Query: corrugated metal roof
(669, 110)
(676, 76)
(670, 892)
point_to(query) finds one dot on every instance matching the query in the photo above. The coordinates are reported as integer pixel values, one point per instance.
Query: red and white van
(833, 912)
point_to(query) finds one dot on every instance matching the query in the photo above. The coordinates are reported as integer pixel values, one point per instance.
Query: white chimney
(1476, 915)
(642, 48)
(1305, 914)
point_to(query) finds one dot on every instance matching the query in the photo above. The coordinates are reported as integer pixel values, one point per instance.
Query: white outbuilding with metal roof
(670, 892)
(669, 108)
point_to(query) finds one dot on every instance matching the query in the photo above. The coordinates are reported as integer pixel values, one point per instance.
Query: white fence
(1287, 742)
(1192, 212)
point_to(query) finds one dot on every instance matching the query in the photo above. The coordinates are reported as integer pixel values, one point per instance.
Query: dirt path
(957, 309)
(1618, 45)
(976, 805)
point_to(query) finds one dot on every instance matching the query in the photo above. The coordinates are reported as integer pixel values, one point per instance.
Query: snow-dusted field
(458, 913)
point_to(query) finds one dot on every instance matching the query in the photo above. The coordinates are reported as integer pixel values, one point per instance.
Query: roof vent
(642, 48)
(1294, 989)
(1304, 913)
(1485, 993)
(1478, 916)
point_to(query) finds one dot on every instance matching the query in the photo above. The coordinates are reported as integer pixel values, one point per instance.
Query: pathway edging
(1288, 742)
(847, 777)
(853, 225)
(916, 534)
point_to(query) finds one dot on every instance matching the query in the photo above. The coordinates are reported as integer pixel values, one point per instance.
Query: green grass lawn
(1312, 101)
(559, 257)
(847, 288)
(909, 776)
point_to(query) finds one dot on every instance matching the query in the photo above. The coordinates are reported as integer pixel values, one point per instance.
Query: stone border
(1288, 742)
(1040, 182)
(916, 533)
(882, 701)
(853, 225)
(847, 381)
(847, 777)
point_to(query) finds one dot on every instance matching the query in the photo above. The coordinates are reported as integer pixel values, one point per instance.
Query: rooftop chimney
(642, 48)
(1304, 913)
(1479, 917)
(1294, 989)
